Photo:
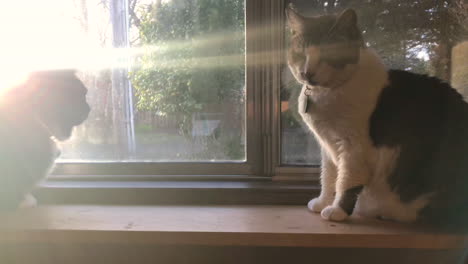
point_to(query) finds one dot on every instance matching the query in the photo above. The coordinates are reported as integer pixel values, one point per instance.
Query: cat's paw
(334, 213)
(28, 202)
(316, 205)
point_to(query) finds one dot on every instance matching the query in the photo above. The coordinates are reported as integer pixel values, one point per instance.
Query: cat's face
(324, 50)
(60, 101)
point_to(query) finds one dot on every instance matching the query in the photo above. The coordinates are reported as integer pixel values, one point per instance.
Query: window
(166, 80)
(177, 93)
(200, 87)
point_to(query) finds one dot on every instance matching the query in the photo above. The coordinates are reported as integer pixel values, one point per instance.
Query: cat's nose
(307, 76)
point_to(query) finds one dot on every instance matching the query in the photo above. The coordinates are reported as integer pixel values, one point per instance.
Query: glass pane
(165, 77)
(419, 36)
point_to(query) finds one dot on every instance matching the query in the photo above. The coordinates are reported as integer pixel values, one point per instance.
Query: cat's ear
(345, 21)
(294, 19)
(348, 17)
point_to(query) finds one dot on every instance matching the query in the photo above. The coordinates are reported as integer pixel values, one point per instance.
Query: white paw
(29, 201)
(334, 213)
(316, 205)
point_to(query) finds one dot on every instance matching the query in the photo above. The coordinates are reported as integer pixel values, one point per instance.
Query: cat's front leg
(353, 175)
(327, 179)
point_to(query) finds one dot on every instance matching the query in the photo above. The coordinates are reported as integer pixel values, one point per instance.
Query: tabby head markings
(324, 50)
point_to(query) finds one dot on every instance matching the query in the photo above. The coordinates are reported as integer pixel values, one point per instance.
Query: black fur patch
(428, 120)
(349, 198)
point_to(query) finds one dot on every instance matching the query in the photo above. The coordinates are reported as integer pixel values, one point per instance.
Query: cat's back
(427, 120)
(424, 116)
(418, 105)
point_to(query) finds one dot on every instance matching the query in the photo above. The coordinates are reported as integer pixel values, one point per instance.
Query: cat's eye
(298, 56)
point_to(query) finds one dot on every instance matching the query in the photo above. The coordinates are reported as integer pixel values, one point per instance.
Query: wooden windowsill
(284, 226)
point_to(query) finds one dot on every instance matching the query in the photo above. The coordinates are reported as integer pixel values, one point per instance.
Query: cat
(33, 115)
(394, 144)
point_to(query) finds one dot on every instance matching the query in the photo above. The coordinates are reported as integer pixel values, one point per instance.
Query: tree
(193, 57)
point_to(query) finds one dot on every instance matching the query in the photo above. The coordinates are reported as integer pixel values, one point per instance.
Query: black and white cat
(32, 116)
(394, 143)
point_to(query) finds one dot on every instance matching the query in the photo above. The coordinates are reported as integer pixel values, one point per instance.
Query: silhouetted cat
(32, 116)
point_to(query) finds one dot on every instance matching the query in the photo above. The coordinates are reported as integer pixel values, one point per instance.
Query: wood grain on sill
(284, 226)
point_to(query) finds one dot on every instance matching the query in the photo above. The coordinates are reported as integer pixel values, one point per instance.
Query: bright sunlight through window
(166, 79)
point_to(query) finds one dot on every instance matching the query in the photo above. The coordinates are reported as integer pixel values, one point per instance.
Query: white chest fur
(341, 115)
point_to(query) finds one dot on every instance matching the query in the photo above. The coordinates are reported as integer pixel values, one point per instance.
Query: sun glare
(50, 34)
(45, 35)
